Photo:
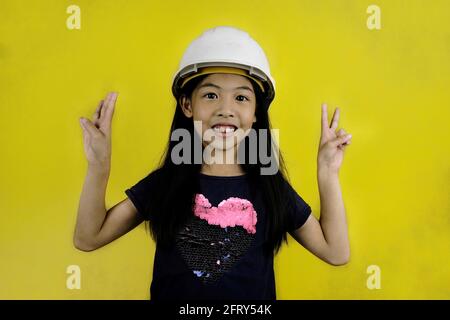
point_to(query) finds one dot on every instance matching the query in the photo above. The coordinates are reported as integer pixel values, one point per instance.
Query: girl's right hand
(97, 134)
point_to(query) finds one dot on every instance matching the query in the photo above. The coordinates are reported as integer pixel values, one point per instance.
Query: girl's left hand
(332, 143)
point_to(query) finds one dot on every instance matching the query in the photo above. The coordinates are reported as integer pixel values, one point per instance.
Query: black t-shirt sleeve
(140, 194)
(298, 210)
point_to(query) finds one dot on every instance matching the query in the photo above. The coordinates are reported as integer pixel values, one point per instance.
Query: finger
(82, 124)
(111, 97)
(112, 102)
(347, 142)
(324, 116)
(98, 112)
(88, 126)
(104, 111)
(106, 102)
(341, 132)
(341, 140)
(335, 119)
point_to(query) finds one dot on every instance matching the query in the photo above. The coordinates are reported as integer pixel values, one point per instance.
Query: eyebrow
(209, 84)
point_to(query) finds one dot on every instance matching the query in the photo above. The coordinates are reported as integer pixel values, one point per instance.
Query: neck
(222, 170)
(222, 163)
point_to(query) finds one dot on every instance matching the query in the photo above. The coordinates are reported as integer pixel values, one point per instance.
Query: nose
(226, 108)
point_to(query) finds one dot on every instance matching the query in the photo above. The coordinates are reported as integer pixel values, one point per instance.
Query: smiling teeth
(223, 129)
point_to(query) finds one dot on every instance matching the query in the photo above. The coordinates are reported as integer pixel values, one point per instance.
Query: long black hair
(181, 181)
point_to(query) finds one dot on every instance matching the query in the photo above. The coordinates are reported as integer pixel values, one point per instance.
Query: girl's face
(225, 104)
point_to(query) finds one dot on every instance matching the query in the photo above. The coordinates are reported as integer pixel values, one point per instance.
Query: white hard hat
(225, 49)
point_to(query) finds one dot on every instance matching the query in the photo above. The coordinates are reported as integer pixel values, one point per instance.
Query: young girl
(217, 224)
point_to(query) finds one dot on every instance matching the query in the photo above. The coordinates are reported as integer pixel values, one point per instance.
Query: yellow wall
(391, 85)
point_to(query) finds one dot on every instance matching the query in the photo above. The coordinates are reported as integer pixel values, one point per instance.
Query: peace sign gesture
(97, 134)
(332, 143)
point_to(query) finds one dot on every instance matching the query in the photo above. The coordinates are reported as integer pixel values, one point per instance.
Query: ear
(254, 118)
(186, 106)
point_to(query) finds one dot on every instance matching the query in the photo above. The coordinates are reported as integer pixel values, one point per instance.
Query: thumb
(88, 126)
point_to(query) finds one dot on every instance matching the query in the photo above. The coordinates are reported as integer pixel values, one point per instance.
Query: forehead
(227, 81)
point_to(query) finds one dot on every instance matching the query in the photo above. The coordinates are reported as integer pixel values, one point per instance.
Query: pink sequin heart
(229, 213)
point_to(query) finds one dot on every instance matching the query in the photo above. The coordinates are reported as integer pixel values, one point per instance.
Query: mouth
(224, 130)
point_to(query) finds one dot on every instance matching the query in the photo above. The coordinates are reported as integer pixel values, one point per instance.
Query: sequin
(229, 213)
(209, 250)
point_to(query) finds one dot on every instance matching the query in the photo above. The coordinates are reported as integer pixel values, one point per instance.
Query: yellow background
(392, 86)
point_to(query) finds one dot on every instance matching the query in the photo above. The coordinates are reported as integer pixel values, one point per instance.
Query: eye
(241, 96)
(210, 94)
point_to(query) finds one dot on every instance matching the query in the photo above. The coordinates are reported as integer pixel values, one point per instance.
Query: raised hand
(332, 143)
(97, 133)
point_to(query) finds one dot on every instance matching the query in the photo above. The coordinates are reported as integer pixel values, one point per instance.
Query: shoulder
(154, 175)
(297, 207)
(287, 190)
(149, 182)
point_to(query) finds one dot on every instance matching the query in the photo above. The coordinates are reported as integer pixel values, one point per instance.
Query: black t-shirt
(220, 253)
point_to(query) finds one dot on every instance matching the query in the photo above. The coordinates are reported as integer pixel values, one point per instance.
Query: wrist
(99, 168)
(326, 173)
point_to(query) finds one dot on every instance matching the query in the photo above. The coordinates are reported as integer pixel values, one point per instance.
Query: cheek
(247, 119)
(201, 113)
(201, 119)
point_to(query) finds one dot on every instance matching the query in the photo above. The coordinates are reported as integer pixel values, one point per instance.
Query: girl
(217, 224)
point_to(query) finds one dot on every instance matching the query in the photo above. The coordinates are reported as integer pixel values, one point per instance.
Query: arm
(328, 238)
(95, 226)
